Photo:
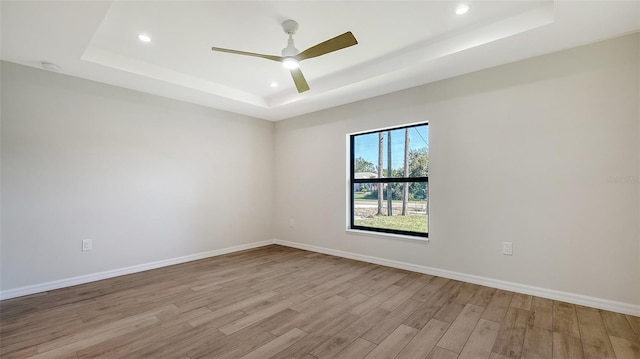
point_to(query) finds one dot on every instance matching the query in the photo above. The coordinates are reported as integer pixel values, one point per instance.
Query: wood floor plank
(498, 306)
(541, 317)
(456, 337)
(538, 342)
(427, 310)
(181, 341)
(617, 325)
(231, 308)
(566, 346)
(440, 353)
(21, 353)
(383, 284)
(17, 340)
(497, 356)
(483, 296)
(256, 307)
(564, 319)
(430, 289)
(319, 298)
(481, 340)
(233, 346)
(411, 277)
(259, 315)
(240, 342)
(394, 343)
(356, 350)
(310, 315)
(530, 355)
(315, 323)
(634, 322)
(467, 292)
(625, 349)
(378, 333)
(375, 300)
(376, 274)
(595, 341)
(512, 332)
(424, 342)
(181, 315)
(277, 345)
(542, 302)
(70, 348)
(124, 344)
(304, 346)
(449, 312)
(334, 282)
(406, 293)
(521, 301)
(346, 336)
(148, 317)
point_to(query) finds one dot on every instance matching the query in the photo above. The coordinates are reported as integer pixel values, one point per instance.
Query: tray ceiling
(401, 44)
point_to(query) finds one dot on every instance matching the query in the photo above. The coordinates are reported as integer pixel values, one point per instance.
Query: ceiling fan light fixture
(290, 63)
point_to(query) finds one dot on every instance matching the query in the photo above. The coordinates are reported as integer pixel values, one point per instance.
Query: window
(389, 181)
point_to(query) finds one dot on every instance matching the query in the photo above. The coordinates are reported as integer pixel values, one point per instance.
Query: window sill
(386, 235)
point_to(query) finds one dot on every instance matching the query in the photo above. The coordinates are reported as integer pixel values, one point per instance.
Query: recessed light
(49, 66)
(462, 9)
(274, 84)
(144, 38)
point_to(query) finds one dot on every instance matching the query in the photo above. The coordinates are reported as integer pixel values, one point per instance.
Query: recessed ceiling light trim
(144, 37)
(462, 9)
(50, 66)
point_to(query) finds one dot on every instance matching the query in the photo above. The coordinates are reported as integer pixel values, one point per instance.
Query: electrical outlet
(507, 248)
(87, 245)
(291, 222)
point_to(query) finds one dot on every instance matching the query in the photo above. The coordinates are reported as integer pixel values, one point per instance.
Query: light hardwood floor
(279, 302)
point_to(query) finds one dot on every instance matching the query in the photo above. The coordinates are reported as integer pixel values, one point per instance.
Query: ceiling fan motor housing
(290, 27)
(290, 50)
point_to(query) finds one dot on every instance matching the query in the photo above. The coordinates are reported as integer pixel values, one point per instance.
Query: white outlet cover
(87, 245)
(507, 248)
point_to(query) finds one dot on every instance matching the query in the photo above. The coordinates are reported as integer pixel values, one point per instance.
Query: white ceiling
(401, 44)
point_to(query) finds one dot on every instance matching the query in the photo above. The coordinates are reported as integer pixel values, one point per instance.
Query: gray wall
(543, 153)
(145, 177)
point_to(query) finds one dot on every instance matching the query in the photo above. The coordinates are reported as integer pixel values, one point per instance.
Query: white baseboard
(579, 299)
(599, 303)
(68, 282)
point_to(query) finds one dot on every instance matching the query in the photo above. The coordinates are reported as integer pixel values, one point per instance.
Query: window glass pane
(376, 157)
(406, 211)
(366, 155)
(365, 199)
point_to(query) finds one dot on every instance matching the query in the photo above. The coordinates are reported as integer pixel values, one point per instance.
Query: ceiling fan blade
(301, 82)
(337, 43)
(268, 57)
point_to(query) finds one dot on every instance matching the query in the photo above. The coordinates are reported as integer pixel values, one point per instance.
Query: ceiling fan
(291, 56)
